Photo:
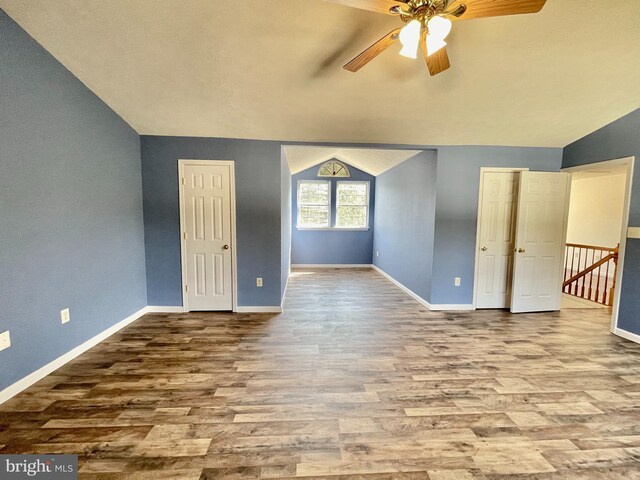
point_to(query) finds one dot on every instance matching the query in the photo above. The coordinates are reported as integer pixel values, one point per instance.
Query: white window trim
(343, 165)
(367, 208)
(307, 227)
(335, 229)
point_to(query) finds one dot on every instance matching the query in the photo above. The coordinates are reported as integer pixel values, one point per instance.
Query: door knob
(226, 247)
(521, 250)
(484, 249)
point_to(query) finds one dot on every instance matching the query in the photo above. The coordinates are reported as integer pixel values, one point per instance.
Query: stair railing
(590, 272)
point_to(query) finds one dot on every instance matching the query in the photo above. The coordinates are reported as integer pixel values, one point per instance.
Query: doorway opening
(596, 235)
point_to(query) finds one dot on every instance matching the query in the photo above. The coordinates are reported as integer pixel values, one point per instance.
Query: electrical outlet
(65, 315)
(5, 340)
(456, 282)
(259, 282)
(377, 253)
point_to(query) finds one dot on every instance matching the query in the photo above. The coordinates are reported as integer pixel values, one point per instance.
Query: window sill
(334, 229)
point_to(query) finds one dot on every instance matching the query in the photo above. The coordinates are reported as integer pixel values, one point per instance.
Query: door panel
(489, 268)
(505, 281)
(540, 238)
(207, 224)
(496, 238)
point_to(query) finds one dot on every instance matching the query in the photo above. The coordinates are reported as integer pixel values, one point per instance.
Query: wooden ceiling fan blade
(379, 6)
(437, 62)
(494, 8)
(373, 51)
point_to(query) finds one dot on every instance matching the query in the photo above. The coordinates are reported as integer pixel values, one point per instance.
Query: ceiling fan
(428, 22)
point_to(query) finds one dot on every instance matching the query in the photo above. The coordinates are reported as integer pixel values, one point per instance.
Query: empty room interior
(321, 239)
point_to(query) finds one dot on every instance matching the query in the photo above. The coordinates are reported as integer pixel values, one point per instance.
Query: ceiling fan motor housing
(421, 10)
(424, 10)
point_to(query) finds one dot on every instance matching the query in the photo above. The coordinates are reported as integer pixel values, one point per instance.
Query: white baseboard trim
(628, 335)
(331, 265)
(412, 294)
(259, 310)
(161, 309)
(26, 382)
(419, 299)
(453, 307)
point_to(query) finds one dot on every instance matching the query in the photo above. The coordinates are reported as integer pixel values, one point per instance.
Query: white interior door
(541, 228)
(496, 238)
(207, 237)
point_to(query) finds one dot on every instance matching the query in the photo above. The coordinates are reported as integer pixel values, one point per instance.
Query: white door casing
(541, 226)
(629, 164)
(496, 238)
(207, 225)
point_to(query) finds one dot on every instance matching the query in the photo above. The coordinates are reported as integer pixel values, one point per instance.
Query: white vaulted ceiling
(372, 161)
(271, 69)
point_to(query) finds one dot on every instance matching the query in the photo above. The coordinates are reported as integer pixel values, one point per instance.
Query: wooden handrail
(592, 247)
(587, 271)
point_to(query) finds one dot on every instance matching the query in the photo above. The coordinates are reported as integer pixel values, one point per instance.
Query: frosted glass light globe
(439, 27)
(410, 39)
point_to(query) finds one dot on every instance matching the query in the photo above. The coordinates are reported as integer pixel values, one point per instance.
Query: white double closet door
(522, 221)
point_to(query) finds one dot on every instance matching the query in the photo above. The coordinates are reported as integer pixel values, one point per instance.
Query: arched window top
(333, 168)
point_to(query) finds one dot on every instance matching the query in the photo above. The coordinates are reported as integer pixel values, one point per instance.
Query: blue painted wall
(405, 222)
(457, 210)
(258, 204)
(71, 230)
(618, 140)
(285, 212)
(339, 246)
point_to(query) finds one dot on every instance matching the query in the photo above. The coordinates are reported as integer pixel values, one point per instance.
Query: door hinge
(183, 182)
(186, 288)
(184, 235)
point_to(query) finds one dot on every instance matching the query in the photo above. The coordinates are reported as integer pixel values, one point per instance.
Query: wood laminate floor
(354, 381)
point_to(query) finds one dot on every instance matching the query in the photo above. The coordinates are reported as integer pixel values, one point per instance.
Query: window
(333, 169)
(352, 205)
(314, 204)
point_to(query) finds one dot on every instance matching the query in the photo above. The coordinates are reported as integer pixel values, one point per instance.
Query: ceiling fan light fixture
(409, 51)
(410, 39)
(439, 27)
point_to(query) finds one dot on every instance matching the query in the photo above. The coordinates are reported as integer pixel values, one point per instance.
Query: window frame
(367, 205)
(328, 205)
(334, 162)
